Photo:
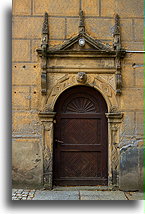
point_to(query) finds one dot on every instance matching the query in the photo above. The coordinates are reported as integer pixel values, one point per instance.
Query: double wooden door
(80, 138)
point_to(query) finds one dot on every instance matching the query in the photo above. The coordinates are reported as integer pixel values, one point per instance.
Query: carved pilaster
(44, 46)
(47, 121)
(114, 120)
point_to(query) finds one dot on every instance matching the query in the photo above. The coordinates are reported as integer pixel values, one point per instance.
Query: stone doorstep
(89, 188)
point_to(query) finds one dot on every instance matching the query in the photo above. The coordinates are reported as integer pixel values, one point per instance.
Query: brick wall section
(63, 24)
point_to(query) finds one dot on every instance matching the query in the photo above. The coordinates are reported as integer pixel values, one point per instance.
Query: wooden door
(80, 138)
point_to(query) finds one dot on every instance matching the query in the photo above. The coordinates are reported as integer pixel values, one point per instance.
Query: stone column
(47, 121)
(114, 120)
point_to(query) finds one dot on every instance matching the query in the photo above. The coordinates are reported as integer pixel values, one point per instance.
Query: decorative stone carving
(103, 85)
(119, 54)
(82, 48)
(116, 33)
(82, 24)
(47, 121)
(81, 77)
(114, 120)
(66, 50)
(44, 46)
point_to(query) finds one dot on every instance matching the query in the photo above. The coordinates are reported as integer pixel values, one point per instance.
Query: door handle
(58, 141)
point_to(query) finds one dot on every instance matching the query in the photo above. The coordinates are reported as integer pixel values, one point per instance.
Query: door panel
(80, 147)
(80, 131)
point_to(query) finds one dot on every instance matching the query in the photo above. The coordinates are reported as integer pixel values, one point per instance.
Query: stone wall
(63, 24)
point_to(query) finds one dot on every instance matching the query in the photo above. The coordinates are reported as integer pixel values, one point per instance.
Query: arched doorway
(80, 138)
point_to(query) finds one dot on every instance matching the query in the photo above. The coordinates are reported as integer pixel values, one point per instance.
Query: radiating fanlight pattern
(80, 105)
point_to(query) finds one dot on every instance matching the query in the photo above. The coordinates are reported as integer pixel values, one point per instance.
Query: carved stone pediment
(81, 46)
(83, 42)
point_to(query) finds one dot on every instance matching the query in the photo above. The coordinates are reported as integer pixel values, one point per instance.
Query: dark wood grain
(81, 138)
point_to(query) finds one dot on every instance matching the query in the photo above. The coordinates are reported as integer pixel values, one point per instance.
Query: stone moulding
(97, 50)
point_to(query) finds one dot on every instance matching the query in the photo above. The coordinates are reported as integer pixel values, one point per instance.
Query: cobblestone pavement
(21, 194)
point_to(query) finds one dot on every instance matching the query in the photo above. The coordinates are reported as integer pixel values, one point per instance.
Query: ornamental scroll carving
(69, 80)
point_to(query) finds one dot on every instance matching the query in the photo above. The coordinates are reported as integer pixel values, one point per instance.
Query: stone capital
(114, 117)
(46, 116)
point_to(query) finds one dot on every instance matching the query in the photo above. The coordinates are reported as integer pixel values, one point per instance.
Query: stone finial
(45, 24)
(45, 33)
(117, 25)
(44, 46)
(82, 24)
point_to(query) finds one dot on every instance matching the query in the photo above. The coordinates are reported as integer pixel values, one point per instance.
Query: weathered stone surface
(34, 27)
(139, 76)
(108, 8)
(129, 169)
(138, 28)
(56, 7)
(133, 46)
(25, 74)
(128, 124)
(57, 28)
(26, 123)
(132, 99)
(56, 195)
(35, 98)
(72, 27)
(126, 29)
(86, 63)
(127, 75)
(99, 28)
(27, 162)
(86, 188)
(21, 7)
(35, 45)
(21, 97)
(21, 50)
(102, 195)
(134, 59)
(139, 123)
(133, 8)
(141, 167)
(53, 43)
(91, 7)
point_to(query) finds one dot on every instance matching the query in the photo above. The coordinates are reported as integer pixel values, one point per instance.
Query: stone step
(89, 188)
